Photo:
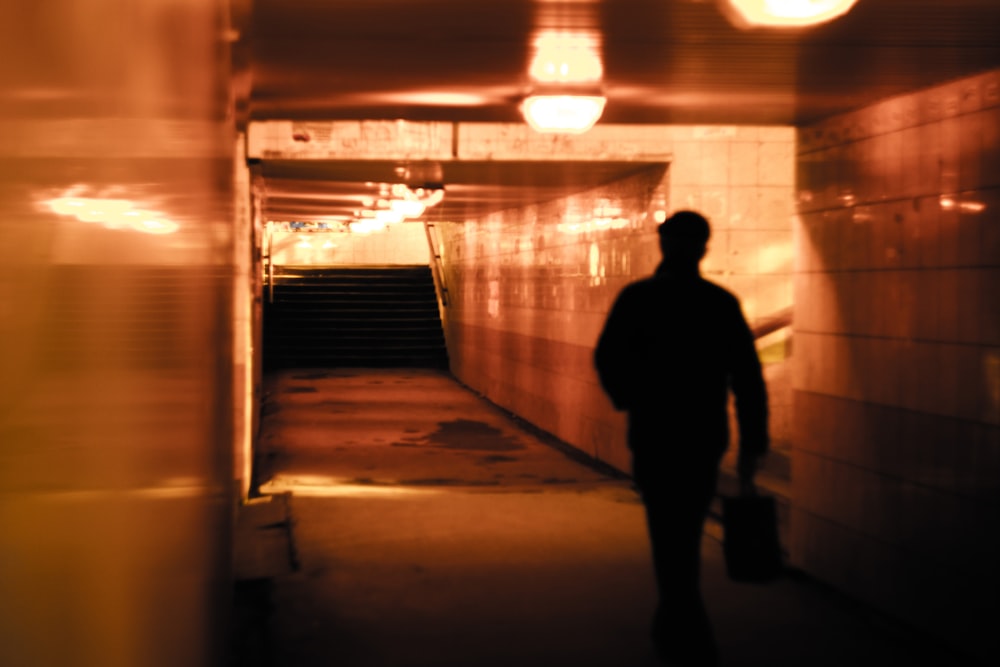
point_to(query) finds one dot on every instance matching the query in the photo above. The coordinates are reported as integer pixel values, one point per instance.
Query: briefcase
(750, 538)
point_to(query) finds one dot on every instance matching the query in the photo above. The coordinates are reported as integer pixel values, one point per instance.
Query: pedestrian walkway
(425, 527)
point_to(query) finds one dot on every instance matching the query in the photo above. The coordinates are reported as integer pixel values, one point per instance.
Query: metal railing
(268, 262)
(771, 323)
(437, 266)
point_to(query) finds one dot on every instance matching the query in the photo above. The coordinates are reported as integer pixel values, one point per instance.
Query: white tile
(776, 164)
(743, 163)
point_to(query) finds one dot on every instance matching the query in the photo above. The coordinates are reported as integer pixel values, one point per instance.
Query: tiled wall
(531, 287)
(896, 466)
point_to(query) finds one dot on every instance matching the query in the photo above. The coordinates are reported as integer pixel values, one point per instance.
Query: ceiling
(665, 61)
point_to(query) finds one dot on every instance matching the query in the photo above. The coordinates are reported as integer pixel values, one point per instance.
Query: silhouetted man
(673, 346)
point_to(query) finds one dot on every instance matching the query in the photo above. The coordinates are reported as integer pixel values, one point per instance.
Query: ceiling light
(408, 208)
(570, 114)
(366, 226)
(412, 202)
(566, 73)
(566, 58)
(787, 13)
(388, 216)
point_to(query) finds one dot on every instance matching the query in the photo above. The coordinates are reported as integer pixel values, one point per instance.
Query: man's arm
(612, 356)
(751, 399)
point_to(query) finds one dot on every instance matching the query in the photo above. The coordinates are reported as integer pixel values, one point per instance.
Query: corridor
(404, 522)
(160, 160)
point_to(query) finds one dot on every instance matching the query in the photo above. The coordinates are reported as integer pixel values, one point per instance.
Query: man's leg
(675, 513)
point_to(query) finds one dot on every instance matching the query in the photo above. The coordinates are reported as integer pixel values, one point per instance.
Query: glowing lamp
(788, 13)
(407, 208)
(566, 71)
(388, 216)
(366, 226)
(566, 58)
(568, 114)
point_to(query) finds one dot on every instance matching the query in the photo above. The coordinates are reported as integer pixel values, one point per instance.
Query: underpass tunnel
(840, 241)
(138, 258)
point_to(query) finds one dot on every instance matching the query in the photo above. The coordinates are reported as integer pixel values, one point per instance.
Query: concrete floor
(408, 523)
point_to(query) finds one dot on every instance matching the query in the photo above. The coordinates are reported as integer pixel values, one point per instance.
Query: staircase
(353, 317)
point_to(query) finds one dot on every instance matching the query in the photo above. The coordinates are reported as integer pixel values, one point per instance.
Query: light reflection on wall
(112, 213)
(951, 203)
(606, 215)
(775, 257)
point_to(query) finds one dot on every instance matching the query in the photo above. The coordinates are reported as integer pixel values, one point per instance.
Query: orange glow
(787, 13)
(388, 216)
(949, 203)
(412, 202)
(439, 98)
(148, 222)
(595, 260)
(595, 225)
(606, 214)
(568, 67)
(112, 213)
(407, 208)
(430, 196)
(332, 487)
(775, 257)
(562, 57)
(399, 202)
(571, 114)
(367, 226)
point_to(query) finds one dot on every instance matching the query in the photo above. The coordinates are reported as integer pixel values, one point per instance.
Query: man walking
(672, 348)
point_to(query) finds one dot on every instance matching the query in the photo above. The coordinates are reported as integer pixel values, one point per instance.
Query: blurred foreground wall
(116, 485)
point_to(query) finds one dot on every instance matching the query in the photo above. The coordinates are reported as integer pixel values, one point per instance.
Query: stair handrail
(269, 262)
(771, 323)
(437, 267)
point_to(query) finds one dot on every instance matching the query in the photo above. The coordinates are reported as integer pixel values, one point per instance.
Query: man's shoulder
(638, 287)
(700, 284)
(640, 284)
(655, 285)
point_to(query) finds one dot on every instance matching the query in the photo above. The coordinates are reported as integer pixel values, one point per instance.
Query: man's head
(684, 238)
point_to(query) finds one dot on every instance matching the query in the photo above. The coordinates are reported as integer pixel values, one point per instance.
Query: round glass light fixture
(566, 57)
(568, 114)
(566, 73)
(787, 13)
